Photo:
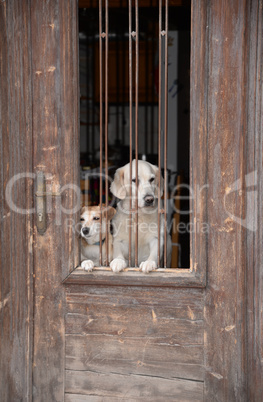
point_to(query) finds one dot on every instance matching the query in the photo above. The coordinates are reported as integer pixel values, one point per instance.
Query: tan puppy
(148, 184)
(90, 236)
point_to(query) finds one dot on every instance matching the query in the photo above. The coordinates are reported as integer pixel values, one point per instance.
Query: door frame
(45, 68)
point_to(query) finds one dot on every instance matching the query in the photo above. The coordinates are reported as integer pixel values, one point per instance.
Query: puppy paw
(148, 266)
(88, 265)
(118, 264)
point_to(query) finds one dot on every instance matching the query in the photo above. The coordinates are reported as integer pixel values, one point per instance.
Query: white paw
(147, 266)
(118, 264)
(88, 265)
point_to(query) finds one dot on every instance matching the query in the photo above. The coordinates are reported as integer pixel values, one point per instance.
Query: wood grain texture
(225, 340)
(16, 302)
(132, 277)
(56, 153)
(134, 333)
(198, 138)
(136, 387)
(254, 211)
(137, 321)
(77, 295)
(152, 356)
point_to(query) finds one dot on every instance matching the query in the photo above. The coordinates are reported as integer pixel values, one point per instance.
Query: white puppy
(148, 184)
(90, 233)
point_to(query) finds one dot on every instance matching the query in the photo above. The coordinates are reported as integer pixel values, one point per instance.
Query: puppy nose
(85, 231)
(148, 199)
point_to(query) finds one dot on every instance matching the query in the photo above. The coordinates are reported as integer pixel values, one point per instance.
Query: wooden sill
(133, 277)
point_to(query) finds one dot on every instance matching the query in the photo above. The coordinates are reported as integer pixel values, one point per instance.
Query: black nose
(149, 200)
(85, 231)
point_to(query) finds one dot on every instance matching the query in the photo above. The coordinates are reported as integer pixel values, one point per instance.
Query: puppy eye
(82, 219)
(151, 180)
(96, 218)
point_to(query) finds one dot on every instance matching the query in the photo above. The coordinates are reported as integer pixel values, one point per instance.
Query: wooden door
(78, 337)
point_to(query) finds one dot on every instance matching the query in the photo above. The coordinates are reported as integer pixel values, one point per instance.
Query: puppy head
(91, 224)
(148, 183)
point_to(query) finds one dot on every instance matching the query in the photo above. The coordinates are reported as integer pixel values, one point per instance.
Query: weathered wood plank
(56, 153)
(254, 208)
(138, 355)
(138, 321)
(134, 386)
(91, 398)
(16, 301)
(183, 299)
(225, 348)
(198, 137)
(180, 278)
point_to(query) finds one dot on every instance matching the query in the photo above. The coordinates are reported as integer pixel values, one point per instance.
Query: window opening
(135, 105)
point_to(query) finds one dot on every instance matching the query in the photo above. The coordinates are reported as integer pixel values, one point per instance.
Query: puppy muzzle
(85, 231)
(149, 200)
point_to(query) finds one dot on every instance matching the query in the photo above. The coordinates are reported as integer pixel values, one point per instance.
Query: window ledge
(133, 277)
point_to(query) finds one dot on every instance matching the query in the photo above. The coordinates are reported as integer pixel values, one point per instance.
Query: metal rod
(130, 118)
(165, 129)
(136, 122)
(159, 127)
(106, 125)
(101, 117)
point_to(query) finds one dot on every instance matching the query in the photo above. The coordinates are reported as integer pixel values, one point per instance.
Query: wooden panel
(16, 228)
(161, 357)
(140, 388)
(142, 321)
(225, 348)
(198, 138)
(56, 153)
(121, 332)
(186, 302)
(142, 3)
(254, 208)
(134, 277)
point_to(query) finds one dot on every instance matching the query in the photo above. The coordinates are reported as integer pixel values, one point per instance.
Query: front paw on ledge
(148, 266)
(87, 265)
(118, 264)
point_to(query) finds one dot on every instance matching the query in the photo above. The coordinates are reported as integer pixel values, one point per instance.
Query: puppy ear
(156, 172)
(111, 213)
(117, 186)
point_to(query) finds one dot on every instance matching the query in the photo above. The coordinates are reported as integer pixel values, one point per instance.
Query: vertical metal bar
(101, 117)
(153, 31)
(106, 124)
(93, 89)
(159, 127)
(130, 115)
(136, 122)
(165, 129)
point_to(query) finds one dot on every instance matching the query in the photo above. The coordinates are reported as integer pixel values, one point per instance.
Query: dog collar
(98, 243)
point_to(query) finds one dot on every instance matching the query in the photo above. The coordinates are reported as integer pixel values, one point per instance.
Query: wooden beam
(143, 3)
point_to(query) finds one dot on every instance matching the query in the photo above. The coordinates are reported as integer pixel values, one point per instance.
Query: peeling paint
(229, 328)
(154, 316)
(4, 302)
(190, 313)
(50, 148)
(218, 376)
(51, 69)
